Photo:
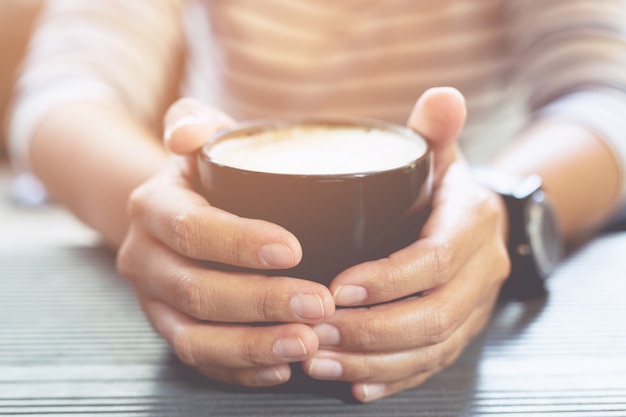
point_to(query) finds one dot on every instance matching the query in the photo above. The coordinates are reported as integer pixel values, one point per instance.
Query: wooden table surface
(74, 342)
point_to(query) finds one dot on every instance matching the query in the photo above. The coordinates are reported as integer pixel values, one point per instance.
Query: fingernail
(289, 348)
(348, 295)
(373, 392)
(277, 255)
(327, 334)
(188, 119)
(270, 376)
(325, 369)
(307, 306)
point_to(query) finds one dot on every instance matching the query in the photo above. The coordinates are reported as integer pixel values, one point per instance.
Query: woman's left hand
(414, 312)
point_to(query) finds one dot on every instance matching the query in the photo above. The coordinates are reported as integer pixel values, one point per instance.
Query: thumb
(439, 116)
(189, 124)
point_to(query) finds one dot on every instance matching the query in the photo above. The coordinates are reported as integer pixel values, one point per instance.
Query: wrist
(533, 239)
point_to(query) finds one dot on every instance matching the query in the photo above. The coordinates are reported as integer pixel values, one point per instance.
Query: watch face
(543, 233)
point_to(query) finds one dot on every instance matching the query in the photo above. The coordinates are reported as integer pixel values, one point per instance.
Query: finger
(416, 321)
(251, 377)
(205, 345)
(439, 116)
(396, 366)
(370, 391)
(189, 124)
(463, 218)
(180, 218)
(216, 295)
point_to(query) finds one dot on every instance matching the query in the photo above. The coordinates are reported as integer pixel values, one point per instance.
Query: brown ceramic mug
(350, 190)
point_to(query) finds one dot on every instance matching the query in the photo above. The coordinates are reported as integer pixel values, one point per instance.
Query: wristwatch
(535, 245)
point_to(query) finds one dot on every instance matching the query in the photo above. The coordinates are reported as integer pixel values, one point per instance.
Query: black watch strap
(525, 281)
(532, 257)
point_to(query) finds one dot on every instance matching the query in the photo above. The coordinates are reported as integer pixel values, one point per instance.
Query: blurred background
(22, 222)
(16, 21)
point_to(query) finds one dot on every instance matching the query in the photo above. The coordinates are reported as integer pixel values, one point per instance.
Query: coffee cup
(350, 190)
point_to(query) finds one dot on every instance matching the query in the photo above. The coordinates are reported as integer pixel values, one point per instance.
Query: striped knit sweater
(512, 59)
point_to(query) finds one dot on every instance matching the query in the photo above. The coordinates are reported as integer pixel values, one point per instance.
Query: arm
(570, 60)
(95, 84)
(579, 171)
(87, 155)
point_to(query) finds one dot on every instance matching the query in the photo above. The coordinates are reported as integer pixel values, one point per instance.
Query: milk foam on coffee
(318, 150)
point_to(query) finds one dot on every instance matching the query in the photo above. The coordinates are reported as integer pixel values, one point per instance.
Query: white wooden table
(74, 342)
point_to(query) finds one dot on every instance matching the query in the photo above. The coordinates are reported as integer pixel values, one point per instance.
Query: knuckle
(450, 356)
(136, 206)
(494, 219)
(241, 241)
(440, 356)
(489, 202)
(440, 326)
(371, 331)
(363, 368)
(238, 248)
(434, 358)
(190, 295)
(490, 208)
(123, 261)
(185, 233)
(442, 253)
(267, 304)
(396, 276)
(183, 348)
(250, 354)
(366, 370)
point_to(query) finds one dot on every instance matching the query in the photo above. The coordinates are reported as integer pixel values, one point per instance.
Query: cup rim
(259, 125)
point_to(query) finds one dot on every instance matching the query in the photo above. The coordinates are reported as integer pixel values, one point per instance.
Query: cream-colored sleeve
(117, 51)
(571, 55)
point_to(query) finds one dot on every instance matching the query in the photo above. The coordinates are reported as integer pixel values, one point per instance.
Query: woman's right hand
(210, 317)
